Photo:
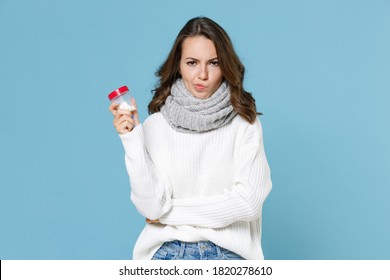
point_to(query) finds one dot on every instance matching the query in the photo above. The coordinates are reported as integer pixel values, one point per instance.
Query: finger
(124, 112)
(123, 118)
(120, 113)
(128, 123)
(123, 121)
(125, 127)
(113, 108)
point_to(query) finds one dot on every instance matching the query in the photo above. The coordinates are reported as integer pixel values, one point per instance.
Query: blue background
(320, 73)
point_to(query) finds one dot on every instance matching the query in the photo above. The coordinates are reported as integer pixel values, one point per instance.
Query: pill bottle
(122, 96)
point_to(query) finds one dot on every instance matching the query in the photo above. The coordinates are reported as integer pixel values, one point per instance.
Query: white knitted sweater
(207, 186)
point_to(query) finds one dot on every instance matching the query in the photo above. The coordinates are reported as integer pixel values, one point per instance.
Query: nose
(203, 73)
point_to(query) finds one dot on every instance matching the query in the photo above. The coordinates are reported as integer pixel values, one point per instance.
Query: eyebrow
(192, 58)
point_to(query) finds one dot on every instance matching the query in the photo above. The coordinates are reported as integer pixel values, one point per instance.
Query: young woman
(197, 166)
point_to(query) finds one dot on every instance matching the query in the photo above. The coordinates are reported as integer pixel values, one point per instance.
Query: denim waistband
(201, 246)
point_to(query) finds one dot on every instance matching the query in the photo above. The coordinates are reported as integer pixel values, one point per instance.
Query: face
(199, 67)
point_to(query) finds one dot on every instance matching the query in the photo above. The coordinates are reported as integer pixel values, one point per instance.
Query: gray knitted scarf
(186, 113)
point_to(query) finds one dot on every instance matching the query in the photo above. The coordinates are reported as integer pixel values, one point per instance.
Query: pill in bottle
(122, 96)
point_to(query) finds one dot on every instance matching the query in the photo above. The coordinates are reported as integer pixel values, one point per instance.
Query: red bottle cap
(118, 92)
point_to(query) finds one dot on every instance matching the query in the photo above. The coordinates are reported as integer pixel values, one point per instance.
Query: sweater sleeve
(242, 202)
(149, 194)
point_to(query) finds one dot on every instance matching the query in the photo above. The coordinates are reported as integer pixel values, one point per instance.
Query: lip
(200, 86)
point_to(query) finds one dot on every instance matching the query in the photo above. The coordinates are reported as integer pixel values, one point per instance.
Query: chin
(199, 95)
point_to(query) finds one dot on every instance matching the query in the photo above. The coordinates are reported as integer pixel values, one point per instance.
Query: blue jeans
(204, 250)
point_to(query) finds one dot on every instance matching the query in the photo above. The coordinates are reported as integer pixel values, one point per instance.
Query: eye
(191, 63)
(214, 63)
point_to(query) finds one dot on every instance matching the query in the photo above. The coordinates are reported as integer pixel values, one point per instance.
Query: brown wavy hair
(232, 68)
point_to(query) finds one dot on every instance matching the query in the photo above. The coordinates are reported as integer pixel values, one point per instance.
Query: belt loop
(182, 247)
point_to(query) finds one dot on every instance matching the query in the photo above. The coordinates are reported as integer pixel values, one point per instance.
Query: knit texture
(186, 113)
(208, 186)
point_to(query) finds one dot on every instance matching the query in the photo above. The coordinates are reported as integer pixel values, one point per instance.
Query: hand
(153, 221)
(124, 120)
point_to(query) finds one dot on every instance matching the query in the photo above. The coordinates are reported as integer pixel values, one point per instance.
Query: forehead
(198, 47)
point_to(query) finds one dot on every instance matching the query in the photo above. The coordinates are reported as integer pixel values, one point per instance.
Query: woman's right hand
(124, 120)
